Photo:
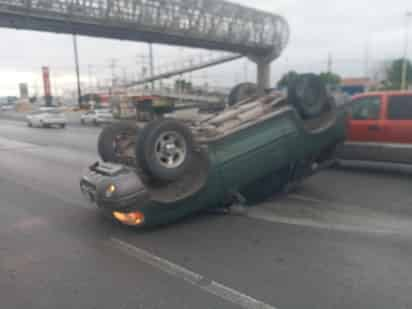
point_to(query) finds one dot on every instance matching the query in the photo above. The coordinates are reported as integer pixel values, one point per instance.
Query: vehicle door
(364, 128)
(89, 116)
(36, 119)
(397, 129)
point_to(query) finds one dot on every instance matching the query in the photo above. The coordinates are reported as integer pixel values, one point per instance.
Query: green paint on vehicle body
(253, 161)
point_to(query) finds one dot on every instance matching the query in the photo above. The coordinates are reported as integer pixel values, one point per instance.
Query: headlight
(111, 189)
(132, 218)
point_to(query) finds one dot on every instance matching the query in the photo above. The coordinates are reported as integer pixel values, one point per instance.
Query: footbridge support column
(263, 64)
(263, 75)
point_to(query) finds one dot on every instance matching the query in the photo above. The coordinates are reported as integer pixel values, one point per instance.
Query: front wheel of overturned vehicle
(116, 143)
(241, 92)
(165, 150)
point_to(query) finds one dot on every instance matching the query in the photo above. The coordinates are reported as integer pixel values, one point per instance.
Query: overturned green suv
(170, 169)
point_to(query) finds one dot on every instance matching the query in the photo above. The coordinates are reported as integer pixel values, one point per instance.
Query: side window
(367, 108)
(400, 107)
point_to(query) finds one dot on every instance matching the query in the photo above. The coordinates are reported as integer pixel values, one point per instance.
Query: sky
(359, 35)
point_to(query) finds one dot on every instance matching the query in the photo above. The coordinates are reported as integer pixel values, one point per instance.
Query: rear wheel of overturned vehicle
(308, 94)
(116, 143)
(164, 150)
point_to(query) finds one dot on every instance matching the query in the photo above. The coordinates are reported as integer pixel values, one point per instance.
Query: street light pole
(404, 83)
(76, 59)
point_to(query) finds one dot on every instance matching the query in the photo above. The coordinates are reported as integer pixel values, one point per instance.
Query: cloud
(318, 27)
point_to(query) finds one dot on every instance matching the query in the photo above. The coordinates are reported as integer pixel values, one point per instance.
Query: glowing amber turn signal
(133, 218)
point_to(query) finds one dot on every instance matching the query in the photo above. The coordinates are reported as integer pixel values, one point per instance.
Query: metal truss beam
(210, 24)
(184, 70)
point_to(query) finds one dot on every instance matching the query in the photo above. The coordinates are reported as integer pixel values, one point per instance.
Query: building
(352, 86)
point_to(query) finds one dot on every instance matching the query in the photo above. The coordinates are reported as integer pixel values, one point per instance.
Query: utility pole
(113, 65)
(76, 60)
(36, 88)
(404, 83)
(55, 88)
(125, 81)
(246, 70)
(89, 71)
(151, 63)
(236, 78)
(367, 58)
(191, 61)
(330, 63)
(141, 62)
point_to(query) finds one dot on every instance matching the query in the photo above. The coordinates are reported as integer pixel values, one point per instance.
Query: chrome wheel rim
(170, 149)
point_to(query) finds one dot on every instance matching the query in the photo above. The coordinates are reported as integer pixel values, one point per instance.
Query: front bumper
(131, 203)
(129, 191)
(104, 120)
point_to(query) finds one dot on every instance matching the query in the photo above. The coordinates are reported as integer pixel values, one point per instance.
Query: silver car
(97, 117)
(47, 118)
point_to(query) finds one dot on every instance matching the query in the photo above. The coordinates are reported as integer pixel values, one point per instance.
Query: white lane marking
(338, 217)
(339, 205)
(335, 204)
(307, 198)
(268, 216)
(210, 286)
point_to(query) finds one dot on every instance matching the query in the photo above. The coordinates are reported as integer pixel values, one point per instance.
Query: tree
(182, 85)
(393, 79)
(286, 78)
(330, 79)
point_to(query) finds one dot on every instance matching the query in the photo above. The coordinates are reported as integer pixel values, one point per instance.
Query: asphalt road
(342, 240)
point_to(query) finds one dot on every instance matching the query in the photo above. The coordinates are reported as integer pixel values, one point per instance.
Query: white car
(97, 116)
(46, 118)
(7, 107)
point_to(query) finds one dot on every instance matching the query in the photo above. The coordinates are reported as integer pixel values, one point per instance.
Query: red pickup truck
(380, 128)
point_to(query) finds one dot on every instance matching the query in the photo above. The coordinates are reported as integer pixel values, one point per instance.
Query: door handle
(374, 128)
